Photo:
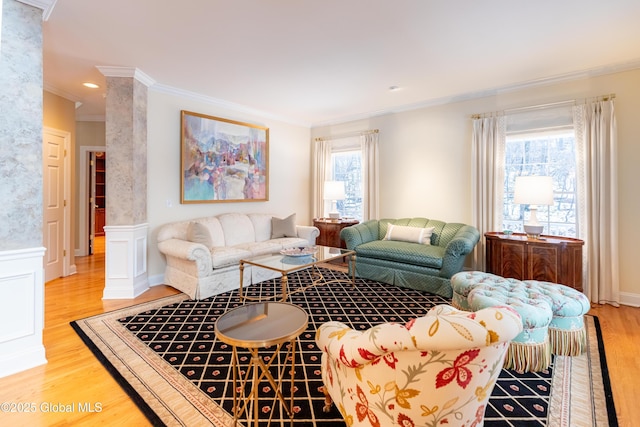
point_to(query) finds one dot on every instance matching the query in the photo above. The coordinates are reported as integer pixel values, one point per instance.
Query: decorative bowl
(299, 251)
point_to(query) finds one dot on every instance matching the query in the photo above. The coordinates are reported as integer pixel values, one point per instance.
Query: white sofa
(203, 254)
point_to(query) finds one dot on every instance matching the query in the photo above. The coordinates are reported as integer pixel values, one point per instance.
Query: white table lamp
(334, 191)
(533, 191)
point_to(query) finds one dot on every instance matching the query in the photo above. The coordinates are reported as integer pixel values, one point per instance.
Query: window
(549, 153)
(352, 159)
(347, 167)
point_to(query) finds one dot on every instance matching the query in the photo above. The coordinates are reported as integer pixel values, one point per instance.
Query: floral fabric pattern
(435, 370)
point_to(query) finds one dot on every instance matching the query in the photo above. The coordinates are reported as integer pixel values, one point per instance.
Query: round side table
(255, 326)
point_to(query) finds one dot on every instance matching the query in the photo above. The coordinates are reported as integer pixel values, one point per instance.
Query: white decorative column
(126, 227)
(126, 261)
(21, 248)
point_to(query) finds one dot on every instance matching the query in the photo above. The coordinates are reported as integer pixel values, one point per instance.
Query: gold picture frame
(222, 160)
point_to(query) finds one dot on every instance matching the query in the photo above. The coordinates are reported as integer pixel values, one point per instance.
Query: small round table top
(261, 324)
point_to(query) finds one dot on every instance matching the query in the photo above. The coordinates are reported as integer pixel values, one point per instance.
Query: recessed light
(90, 85)
(394, 88)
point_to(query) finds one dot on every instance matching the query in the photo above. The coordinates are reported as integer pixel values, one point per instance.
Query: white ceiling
(318, 62)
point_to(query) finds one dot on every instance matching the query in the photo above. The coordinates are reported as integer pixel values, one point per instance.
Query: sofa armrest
(360, 233)
(199, 254)
(457, 250)
(308, 232)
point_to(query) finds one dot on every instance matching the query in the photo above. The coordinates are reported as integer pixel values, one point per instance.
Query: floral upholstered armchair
(439, 369)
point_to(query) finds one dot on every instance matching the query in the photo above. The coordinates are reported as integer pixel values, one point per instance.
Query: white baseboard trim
(156, 280)
(627, 298)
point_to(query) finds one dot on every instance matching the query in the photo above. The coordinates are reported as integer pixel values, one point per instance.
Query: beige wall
(289, 169)
(60, 114)
(425, 156)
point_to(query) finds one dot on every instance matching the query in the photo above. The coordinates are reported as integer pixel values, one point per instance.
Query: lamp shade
(533, 190)
(334, 190)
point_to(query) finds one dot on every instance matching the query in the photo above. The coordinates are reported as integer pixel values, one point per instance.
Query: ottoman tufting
(464, 282)
(567, 335)
(529, 351)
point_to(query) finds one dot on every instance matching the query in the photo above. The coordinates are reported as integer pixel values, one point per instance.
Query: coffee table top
(261, 324)
(285, 263)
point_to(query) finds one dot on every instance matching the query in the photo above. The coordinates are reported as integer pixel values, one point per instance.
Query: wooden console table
(330, 231)
(549, 258)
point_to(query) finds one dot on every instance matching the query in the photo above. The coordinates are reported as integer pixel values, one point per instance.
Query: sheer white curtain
(321, 173)
(596, 145)
(370, 179)
(367, 143)
(488, 151)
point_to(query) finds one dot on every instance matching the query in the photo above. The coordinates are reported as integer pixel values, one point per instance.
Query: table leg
(285, 282)
(241, 280)
(293, 374)
(255, 362)
(352, 267)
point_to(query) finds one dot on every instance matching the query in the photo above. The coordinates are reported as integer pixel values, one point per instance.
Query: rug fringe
(568, 343)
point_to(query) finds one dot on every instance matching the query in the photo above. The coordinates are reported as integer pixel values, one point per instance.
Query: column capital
(131, 72)
(46, 6)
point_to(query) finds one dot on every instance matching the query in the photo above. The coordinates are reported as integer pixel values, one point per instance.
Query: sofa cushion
(237, 229)
(261, 225)
(283, 227)
(198, 233)
(215, 231)
(409, 234)
(260, 248)
(291, 242)
(225, 256)
(403, 252)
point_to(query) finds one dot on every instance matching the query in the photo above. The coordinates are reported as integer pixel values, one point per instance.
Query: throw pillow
(404, 233)
(283, 227)
(198, 233)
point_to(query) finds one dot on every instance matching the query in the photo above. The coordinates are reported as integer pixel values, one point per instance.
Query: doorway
(92, 194)
(97, 199)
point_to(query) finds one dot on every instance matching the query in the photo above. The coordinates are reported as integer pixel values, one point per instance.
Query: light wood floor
(73, 375)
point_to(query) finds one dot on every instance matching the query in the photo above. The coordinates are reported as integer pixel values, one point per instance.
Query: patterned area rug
(165, 355)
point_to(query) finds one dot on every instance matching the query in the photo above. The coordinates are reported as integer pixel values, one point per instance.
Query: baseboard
(156, 280)
(627, 298)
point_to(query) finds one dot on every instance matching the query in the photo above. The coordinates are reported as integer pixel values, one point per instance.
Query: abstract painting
(223, 160)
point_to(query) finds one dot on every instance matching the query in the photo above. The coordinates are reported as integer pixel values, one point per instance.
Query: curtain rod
(346, 135)
(543, 106)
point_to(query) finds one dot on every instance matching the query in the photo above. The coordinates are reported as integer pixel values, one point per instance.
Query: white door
(53, 205)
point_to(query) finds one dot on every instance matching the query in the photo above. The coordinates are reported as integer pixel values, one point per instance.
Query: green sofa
(407, 264)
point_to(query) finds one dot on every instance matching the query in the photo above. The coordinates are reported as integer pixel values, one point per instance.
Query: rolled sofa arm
(360, 233)
(308, 232)
(457, 250)
(176, 249)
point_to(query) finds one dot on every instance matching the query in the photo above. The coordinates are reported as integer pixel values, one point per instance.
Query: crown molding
(54, 90)
(46, 6)
(109, 71)
(223, 104)
(547, 81)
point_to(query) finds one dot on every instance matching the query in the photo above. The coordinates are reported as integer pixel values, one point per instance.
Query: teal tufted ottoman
(530, 351)
(567, 335)
(465, 281)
